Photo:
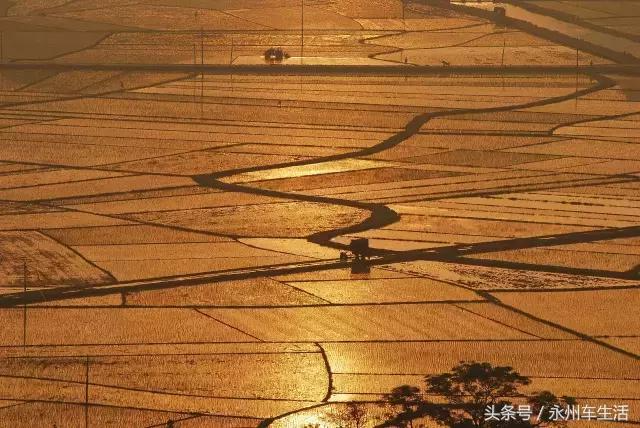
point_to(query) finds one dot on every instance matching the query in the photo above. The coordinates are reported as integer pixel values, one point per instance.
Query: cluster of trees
(466, 393)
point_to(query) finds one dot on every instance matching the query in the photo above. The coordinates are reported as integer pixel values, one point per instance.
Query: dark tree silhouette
(543, 402)
(409, 400)
(409, 405)
(470, 388)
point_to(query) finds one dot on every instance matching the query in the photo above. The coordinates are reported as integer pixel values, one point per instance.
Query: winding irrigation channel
(380, 216)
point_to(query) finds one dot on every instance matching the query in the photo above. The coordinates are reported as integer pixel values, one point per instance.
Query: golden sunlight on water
(185, 244)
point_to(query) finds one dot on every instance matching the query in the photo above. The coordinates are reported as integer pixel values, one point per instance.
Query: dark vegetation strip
(625, 67)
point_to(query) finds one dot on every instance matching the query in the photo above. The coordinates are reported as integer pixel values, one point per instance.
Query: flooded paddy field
(608, 15)
(170, 240)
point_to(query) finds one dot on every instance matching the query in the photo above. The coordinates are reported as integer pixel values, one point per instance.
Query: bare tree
(352, 415)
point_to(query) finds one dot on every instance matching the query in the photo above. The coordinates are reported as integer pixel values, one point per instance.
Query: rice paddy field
(170, 239)
(618, 16)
